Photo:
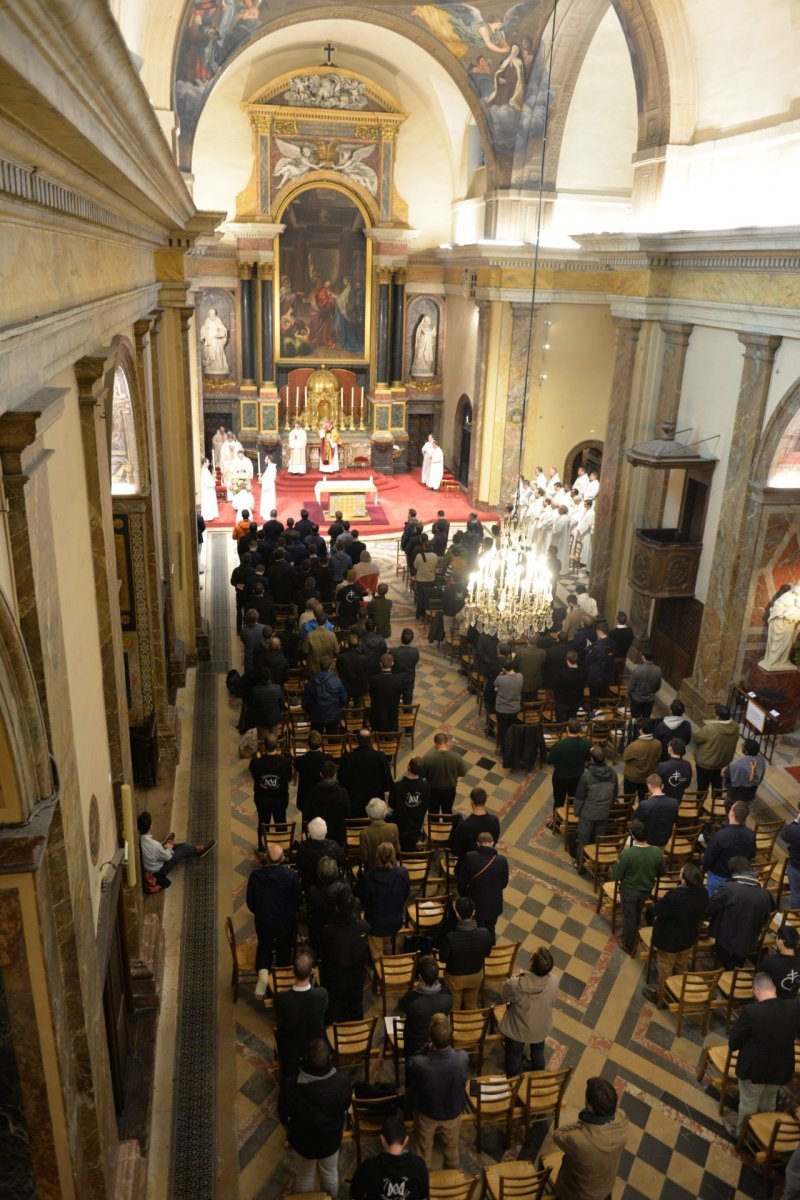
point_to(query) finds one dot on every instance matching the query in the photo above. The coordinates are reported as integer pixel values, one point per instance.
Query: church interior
(559, 234)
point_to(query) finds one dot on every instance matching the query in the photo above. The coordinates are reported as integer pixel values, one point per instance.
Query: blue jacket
(324, 697)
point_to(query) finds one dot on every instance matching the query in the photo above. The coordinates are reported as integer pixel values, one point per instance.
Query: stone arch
(383, 18)
(25, 770)
(591, 451)
(787, 412)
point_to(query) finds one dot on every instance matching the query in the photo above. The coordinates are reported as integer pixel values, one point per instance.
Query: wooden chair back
(439, 826)
(418, 864)
(280, 834)
(451, 1185)
(516, 1180)
(394, 973)
(243, 956)
(352, 1041)
(407, 721)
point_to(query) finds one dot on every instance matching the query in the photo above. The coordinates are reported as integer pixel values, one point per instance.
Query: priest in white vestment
(585, 532)
(297, 450)
(209, 509)
(581, 480)
(545, 532)
(217, 442)
(560, 537)
(436, 469)
(427, 450)
(269, 499)
(227, 460)
(328, 449)
(553, 482)
(242, 483)
(592, 487)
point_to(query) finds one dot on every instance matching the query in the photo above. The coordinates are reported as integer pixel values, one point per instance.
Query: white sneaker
(261, 986)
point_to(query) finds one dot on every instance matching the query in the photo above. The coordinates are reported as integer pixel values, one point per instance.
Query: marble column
(201, 641)
(614, 463)
(247, 322)
(398, 329)
(265, 276)
(676, 344)
(382, 329)
(724, 623)
(478, 407)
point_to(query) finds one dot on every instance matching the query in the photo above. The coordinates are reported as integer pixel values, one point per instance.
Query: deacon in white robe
(269, 499)
(585, 532)
(209, 509)
(242, 483)
(553, 482)
(541, 479)
(227, 460)
(592, 487)
(297, 450)
(436, 470)
(560, 537)
(427, 450)
(217, 442)
(546, 522)
(581, 480)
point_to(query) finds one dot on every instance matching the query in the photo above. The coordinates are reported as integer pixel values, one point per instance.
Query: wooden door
(674, 634)
(117, 1002)
(420, 425)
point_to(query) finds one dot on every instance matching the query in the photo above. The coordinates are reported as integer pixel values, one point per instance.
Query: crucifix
(330, 51)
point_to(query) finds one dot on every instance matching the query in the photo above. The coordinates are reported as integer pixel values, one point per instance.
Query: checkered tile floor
(677, 1149)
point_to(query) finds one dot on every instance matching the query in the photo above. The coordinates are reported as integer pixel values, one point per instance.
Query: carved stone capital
(400, 277)
(142, 330)
(384, 275)
(677, 333)
(93, 375)
(761, 346)
(629, 326)
(266, 271)
(244, 270)
(185, 313)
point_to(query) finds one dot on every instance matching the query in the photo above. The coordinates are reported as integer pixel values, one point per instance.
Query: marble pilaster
(478, 406)
(382, 329)
(247, 322)
(736, 540)
(202, 648)
(265, 278)
(398, 313)
(614, 464)
(519, 389)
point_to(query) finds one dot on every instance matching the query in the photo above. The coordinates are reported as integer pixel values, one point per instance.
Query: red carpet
(397, 494)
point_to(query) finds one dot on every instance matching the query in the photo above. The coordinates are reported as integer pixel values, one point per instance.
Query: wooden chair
(470, 1027)
(720, 1062)
(394, 973)
(281, 979)
(243, 955)
(693, 995)
(491, 1099)
(770, 1136)
(368, 1116)
(714, 808)
(682, 846)
(737, 989)
(334, 744)
(776, 883)
(604, 732)
(389, 745)
(418, 864)
(353, 827)
(394, 1042)
(280, 834)
(451, 1185)
(351, 1042)
(438, 828)
(499, 966)
(515, 1180)
(766, 836)
(608, 898)
(552, 732)
(353, 717)
(407, 721)
(541, 1095)
(301, 728)
(564, 820)
(599, 857)
(532, 712)
(690, 808)
(425, 914)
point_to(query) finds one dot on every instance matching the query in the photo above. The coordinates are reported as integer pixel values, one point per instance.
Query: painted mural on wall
(323, 294)
(502, 52)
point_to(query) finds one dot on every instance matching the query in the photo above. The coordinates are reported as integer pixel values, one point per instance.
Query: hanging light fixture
(510, 593)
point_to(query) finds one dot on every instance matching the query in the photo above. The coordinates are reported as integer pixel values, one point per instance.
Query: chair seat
(246, 955)
(743, 988)
(718, 1056)
(762, 1124)
(645, 934)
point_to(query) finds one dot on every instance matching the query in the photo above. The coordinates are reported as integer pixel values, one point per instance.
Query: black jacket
(599, 663)
(300, 1018)
(725, 844)
(658, 814)
(419, 1005)
(344, 950)
(310, 852)
(436, 1082)
(308, 767)
(329, 800)
(464, 834)
(272, 774)
(282, 582)
(465, 949)
(409, 803)
(365, 773)
(622, 638)
(355, 668)
(384, 700)
(273, 897)
(483, 876)
(737, 912)
(568, 686)
(764, 1035)
(315, 1111)
(405, 662)
(383, 892)
(677, 917)
(403, 1176)
(784, 971)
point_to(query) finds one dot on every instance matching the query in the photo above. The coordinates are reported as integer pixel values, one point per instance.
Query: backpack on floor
(233, 682)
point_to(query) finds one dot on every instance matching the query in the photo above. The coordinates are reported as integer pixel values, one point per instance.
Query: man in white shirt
(592, 487)
(541, 479)
(581, 480)
(585, 532)
(553, 482)
(585, 601)
(160, 857)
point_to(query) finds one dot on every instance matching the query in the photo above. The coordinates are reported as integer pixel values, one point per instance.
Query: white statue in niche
(424, 362)
(213, 336)
(783, 624)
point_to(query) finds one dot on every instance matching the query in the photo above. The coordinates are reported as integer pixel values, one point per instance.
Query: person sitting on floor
(160, 857)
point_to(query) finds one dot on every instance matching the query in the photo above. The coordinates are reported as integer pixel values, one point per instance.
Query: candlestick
(258, 452)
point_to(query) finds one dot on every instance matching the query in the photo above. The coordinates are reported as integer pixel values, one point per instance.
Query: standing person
(315, 1103)
(298, 439)
(733, 840)
(783, 968)
(637, 869)
(640, 759)
(643, 685)
(426, 564)
(568, 759)
(336, 528)
(312, 848)
(530, 997)
(405, 658)
(426, 451)
(380, 610)
(443, 767)
(464, 835)
(657, 813)
(595, 794)
(436, 469)
(592, 1146)
(737, 913)
(423, 1002)
(383, 892)
(299, 1016)
(378, 832)
(273, 897)
(675, 773)
(714, 747)
(410, 796)
(508, 701)
(463, 952)
(790, 836)
(436, 1080)
(272, 773)
(385, 691)
(764, 1034)
(599, 663)
(269, 499)
(209, 508)
(354, 667)
(676, 924)
(330, 801)
(742, 777)
(529, 661)
(674, 725)
(395, 1172)
(159, 858)
(324, 698)
(309, 769)
(568, 687)
(365, 773)
(483, 876)
(621, 635)
(344, 955)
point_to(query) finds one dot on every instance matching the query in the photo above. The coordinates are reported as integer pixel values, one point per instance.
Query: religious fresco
(323, 277)
(501, 51)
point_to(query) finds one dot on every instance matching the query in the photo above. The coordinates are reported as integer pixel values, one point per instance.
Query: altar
(348, 496)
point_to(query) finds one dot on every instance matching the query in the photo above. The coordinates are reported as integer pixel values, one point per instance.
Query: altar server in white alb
(227, 461)
(209, 509)
(241, 483)
(297, 450)
(269, 499)
(585, 532)
(436, 469)
(427, 450)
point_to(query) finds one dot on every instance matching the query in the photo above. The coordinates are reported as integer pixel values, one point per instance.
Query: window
(124, 454)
